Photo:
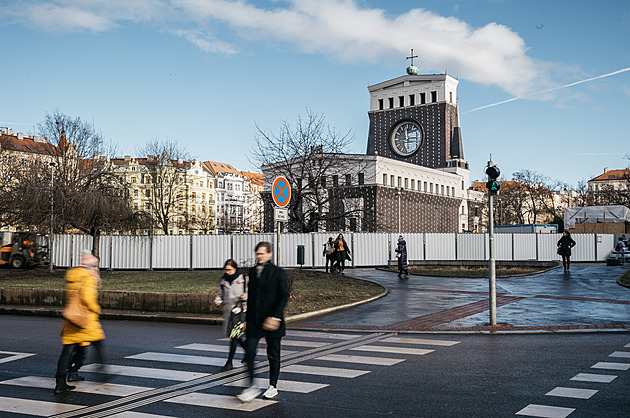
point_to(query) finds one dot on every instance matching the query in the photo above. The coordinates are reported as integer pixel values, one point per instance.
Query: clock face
(406, 138)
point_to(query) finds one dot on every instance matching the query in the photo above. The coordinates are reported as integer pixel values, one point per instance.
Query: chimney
(127, 158)
(605, 170)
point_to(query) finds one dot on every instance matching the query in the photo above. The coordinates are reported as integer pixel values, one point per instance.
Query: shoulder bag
(75, 310)
(236, 323)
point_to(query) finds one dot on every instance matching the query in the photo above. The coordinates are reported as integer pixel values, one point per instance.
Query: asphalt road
(172, 370)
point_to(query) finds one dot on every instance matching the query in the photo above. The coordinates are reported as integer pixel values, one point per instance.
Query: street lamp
(399, 193)
(52, 211)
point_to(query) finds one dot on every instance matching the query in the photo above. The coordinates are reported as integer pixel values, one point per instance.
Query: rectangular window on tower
(348, 179)
(384, 179)
(391, 102)
(412, 100)
(380, 104)
(401, 101)
(361, 179)
(423, 98)
(433, 96)
(323, 182)
(450, 95)
(335, 180)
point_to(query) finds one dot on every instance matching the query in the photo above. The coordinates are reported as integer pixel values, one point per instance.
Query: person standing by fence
(232, 295)
(329, 250)
(401, 254)
(342, 252)
(267, 297)
(565, 243)
(85, 280)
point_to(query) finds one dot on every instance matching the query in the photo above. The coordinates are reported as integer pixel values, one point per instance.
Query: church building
(414, 177)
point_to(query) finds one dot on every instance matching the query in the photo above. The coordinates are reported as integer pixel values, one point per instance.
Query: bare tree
(87, 196)
(168, 181)
(533, 192)
(312, 156)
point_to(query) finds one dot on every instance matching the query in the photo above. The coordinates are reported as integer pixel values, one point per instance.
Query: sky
(543, 85)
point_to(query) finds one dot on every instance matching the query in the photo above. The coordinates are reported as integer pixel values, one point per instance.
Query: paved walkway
(587, 298)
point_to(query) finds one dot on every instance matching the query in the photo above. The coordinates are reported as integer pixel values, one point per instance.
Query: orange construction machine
(20, 249)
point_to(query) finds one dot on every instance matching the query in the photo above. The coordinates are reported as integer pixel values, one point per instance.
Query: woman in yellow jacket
(84, 279)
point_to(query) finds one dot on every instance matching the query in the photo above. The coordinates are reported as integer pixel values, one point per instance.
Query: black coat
(565, 244)
(267, 296)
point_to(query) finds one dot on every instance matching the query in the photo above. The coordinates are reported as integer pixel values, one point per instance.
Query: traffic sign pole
(281, 195)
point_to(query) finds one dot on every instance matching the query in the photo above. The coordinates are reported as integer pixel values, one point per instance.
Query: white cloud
(344, 30)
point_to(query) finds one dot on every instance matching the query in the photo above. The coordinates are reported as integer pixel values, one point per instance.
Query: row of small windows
(347, 180)
(427, 187)
(392, 102)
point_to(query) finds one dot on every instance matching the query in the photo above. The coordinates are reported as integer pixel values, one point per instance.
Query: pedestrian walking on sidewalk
(329, 250)
(84, 279)
(267, 297)
(401, 254)
(232, 297)
(565, 243)
(342, 253)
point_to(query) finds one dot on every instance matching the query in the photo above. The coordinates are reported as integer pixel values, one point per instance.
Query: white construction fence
(140, 252)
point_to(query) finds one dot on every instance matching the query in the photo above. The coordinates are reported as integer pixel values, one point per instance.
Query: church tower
(415, 118)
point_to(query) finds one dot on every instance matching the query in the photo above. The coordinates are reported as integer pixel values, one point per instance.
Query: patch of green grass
(471, 271)
(625, 278)
(310, 290)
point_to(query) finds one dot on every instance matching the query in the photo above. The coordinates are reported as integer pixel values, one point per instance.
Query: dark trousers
(330, 259)
(77, 358)
(273, 355)
(341, 260)
(66, 353)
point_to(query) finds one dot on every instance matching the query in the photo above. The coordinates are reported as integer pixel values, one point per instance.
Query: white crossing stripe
(323, 335)
(131, 414)
(627, 345)
(13, 356)
(37, 408)
(85, 386)
(421, 341)
(394, 350)
(219, 401)
(378, 361)
(595, 378)
(216, 348)
(283, 385)
(145, 372)
(572, 393)
(533, 410)
(620, 354)
(324, 371)
(179, 358)
(611, 366)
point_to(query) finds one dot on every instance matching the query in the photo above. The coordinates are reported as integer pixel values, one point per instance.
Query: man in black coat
(268, 293)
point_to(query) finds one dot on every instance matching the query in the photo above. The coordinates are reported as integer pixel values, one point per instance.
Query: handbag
(75, 311)
(558, 250)
(236, 323)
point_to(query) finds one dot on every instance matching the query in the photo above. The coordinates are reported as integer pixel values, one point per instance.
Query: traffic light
(493, 185)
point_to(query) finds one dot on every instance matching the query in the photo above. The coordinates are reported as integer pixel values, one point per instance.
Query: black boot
(74, 377)
(61, 385)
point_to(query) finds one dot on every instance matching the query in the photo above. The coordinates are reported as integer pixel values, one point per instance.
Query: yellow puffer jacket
(81, 278)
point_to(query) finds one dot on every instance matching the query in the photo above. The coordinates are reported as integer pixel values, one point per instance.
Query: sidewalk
(587, 298)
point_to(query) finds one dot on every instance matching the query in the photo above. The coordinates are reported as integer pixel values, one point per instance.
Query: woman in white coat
(232, 290)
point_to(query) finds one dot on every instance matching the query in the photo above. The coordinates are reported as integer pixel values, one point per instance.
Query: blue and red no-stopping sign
(281, 191)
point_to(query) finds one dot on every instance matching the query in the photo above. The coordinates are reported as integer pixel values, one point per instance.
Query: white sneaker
(270, 393)
(249, 394)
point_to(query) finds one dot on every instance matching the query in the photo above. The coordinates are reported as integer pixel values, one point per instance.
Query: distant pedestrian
(267, 297)
(401, 254)
(342, 253)
(84, 279)
(565, 243)
(620, 248)
(232, 290)
(329, 250)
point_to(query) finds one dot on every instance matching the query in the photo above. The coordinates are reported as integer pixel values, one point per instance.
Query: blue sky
(205, 72)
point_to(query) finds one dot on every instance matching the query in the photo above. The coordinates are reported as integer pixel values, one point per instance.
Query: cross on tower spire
(412, 69)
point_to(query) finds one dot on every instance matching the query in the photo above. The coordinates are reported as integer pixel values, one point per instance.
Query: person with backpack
(329, 249)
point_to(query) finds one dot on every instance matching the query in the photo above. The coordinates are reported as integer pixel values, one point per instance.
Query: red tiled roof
(217, 168)
(613, 175)
(27, 144)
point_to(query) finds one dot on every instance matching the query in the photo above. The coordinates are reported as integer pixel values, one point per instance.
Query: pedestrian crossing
(552, 411)
(189, 375)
